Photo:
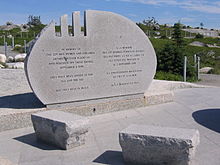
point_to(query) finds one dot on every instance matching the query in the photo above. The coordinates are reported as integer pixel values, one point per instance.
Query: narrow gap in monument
(58, 30)
(70, 27)
(82, 23)
(84, 28)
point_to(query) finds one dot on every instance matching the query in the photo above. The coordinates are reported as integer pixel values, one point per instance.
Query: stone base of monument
(158, 97)
(99, 106)
(143, 144)
(64, 130)
(20, 118)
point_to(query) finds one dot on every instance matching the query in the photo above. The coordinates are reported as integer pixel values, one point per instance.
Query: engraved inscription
(71, 58)
(120, 57)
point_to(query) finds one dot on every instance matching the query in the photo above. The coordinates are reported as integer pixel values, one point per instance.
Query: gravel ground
(13, 81)
(9, 52)
(209, 79)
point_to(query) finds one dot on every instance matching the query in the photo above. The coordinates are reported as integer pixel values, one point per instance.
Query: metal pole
(198, 67)
(25, 46)
(184, 72)
(6, 44)
(195, 60)
(4, 39)
(13, 42)
(21, 34)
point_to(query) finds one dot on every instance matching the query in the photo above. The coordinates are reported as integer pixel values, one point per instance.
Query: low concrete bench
(143, 144)
(65, 130)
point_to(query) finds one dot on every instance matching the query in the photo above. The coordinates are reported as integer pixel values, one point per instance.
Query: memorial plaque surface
(113, 57)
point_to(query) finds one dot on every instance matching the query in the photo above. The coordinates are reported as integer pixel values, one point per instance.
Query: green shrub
(170, 59)
(199, 36)
(160, 75)
(19, 49)
(163, 37)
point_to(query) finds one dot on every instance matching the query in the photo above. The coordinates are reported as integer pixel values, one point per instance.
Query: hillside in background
(205, 43)
(160, 35)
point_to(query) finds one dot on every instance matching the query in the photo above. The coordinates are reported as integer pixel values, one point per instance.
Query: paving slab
(102, 145)
(17, 101)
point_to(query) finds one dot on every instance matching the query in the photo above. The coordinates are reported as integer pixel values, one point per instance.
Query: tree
(201, 25)
(199, 36)
(170, 59)
(34, 20)
(177, 35)
(151, 23)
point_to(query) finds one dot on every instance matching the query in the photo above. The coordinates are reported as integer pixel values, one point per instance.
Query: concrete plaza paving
(197, 108)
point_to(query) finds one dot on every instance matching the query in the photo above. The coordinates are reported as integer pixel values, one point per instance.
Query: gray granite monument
(62, 129)
(143, 144)
(112, 58)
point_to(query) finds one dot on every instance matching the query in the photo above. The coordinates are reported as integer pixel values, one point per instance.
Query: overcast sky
(189, 12)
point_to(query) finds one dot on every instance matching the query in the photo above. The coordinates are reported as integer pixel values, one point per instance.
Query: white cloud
(197, 5)
(204, 8)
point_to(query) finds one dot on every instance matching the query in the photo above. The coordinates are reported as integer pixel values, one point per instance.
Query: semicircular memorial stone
(113, 57)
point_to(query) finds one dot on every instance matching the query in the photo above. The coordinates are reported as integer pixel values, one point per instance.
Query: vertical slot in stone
(85, 28)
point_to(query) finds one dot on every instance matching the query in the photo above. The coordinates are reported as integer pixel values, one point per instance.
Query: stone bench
(143, 144)
(65, 130)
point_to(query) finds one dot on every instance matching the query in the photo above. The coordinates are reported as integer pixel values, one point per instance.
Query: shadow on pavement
(20, 101)
(110, 157)
(209, 118)
(31, 140)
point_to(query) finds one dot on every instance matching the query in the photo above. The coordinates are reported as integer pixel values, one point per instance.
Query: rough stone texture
(1, 66)
(10, 59)
(205, 69)
(158, 97)
(163, 85)
(62, 129)
(16, 120)
(158, 145)
(2, 58)
(197, 43)
(15, 65)
(107, 61)
(20, 57)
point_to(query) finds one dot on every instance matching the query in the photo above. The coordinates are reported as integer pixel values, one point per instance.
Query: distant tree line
(34, 20)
